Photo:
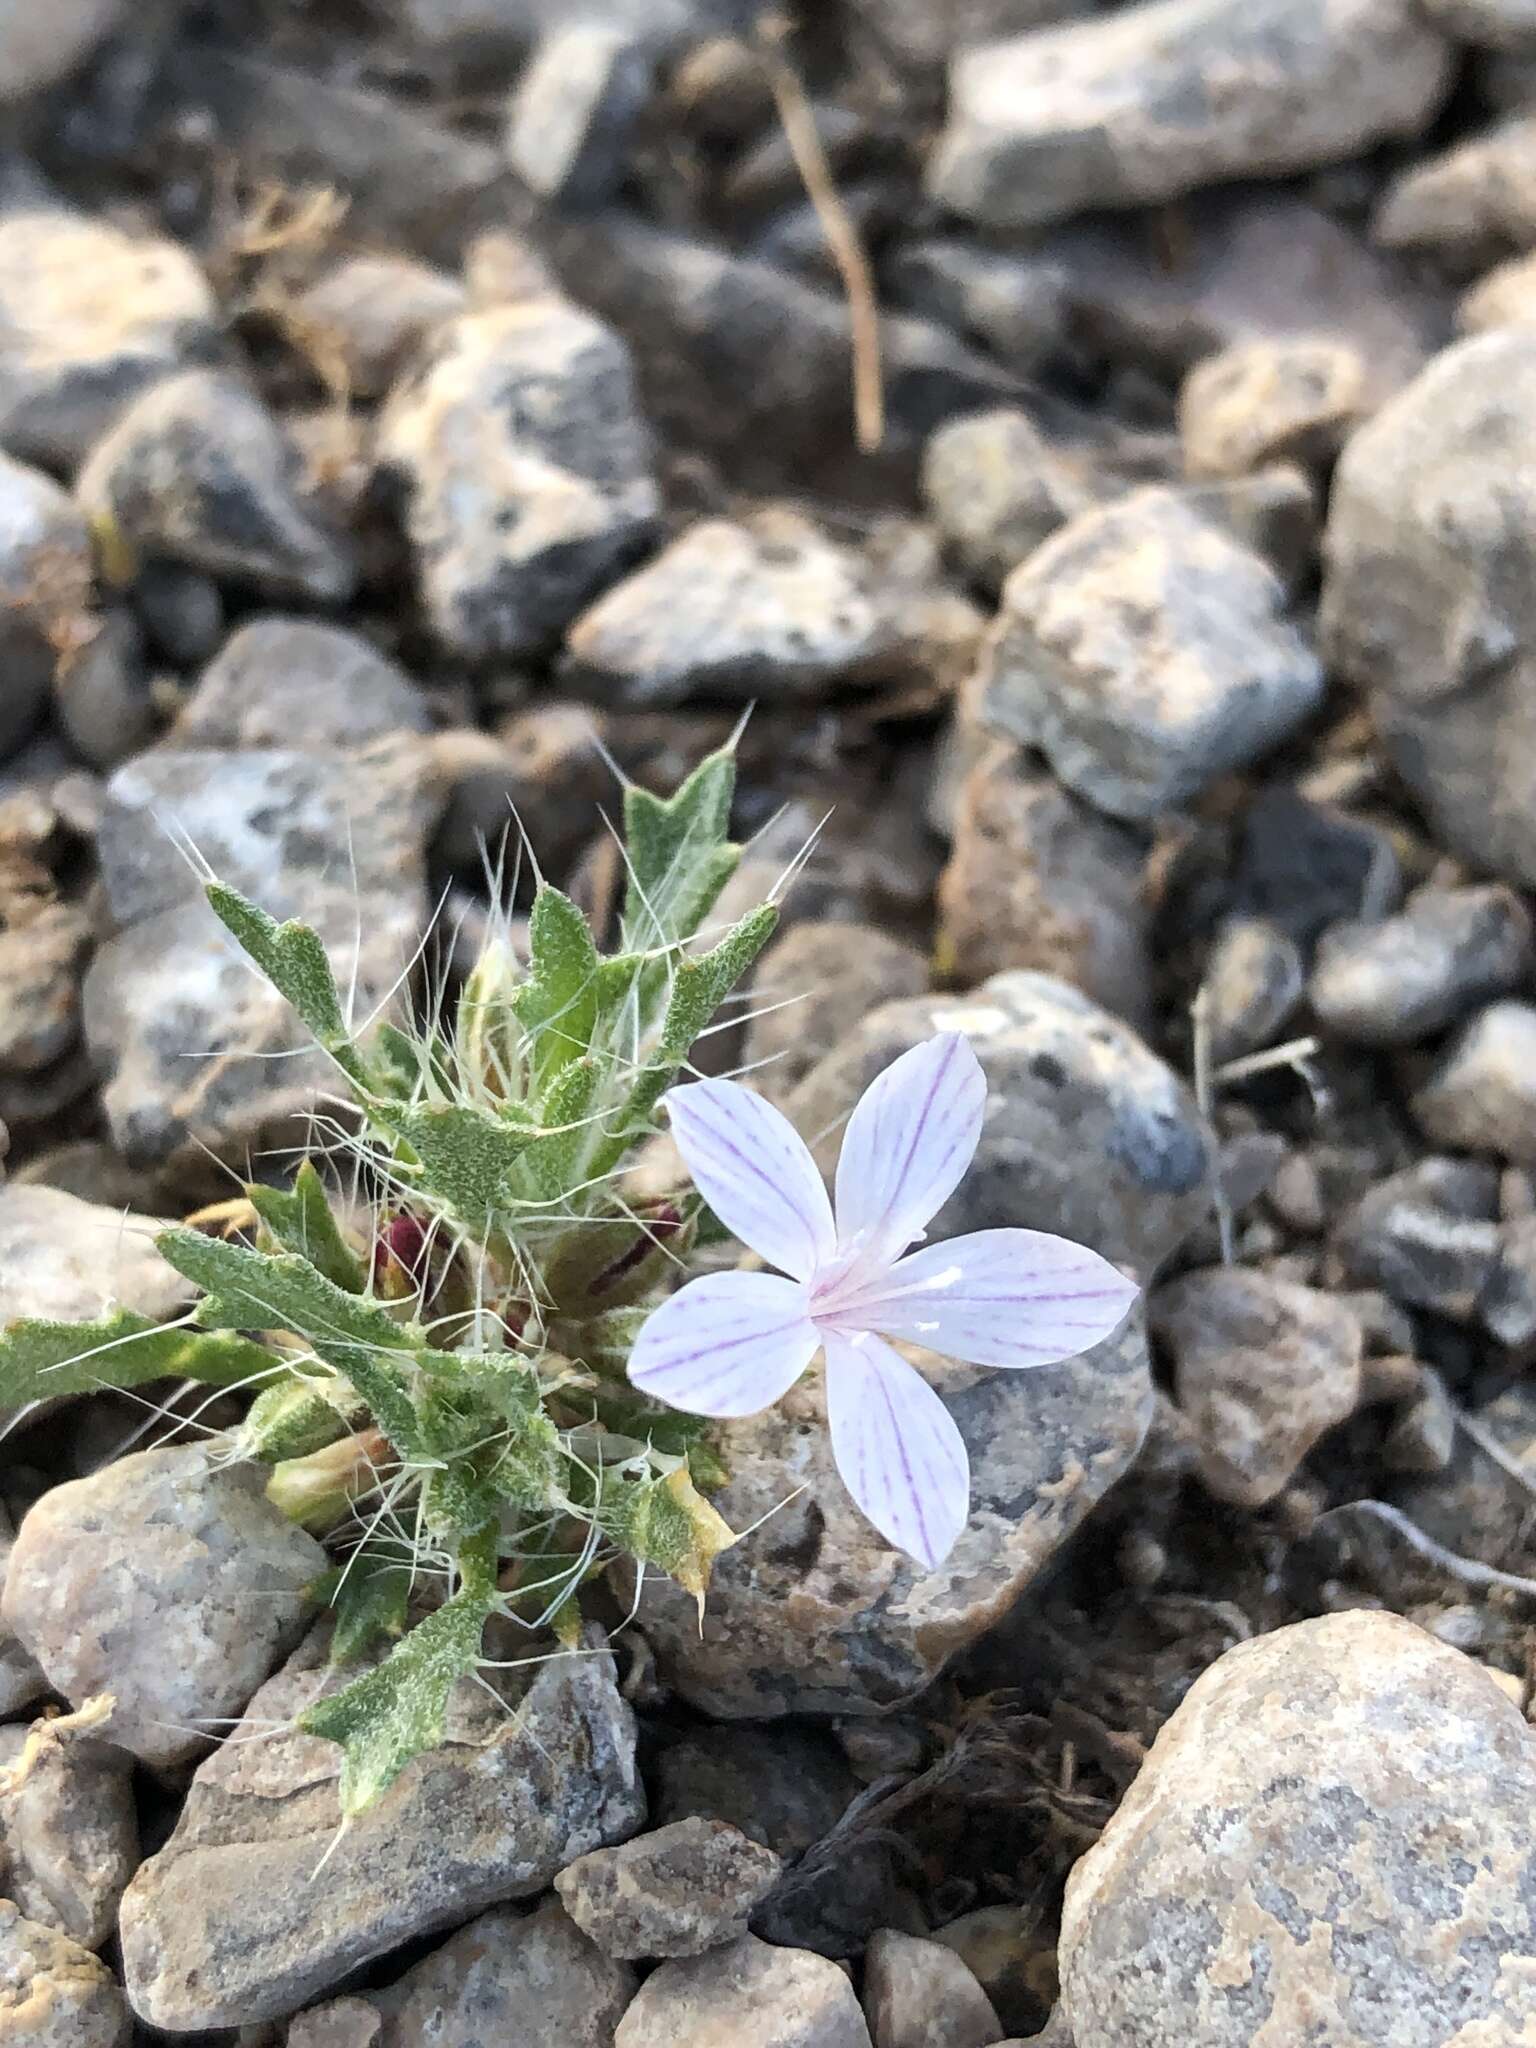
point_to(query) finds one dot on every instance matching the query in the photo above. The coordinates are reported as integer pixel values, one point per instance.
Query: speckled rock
(1409, 976)
(1293, 399)
(1253, 982)
(43, 947)
(676, 1892)
(1487, 24)
(1506, 297)
(220, 1927)
(574, 109)
(90, 317)
(1475, 202)
(46, 576)
(526, 470)
(1262, 1368)
(289, 682)
(1167, 98)
(1429, 595)
(197, 470)
(997, 488)
(67, 1261)
(167, 1581)
(53, 1993)
(1328, 1837)
(1146, 651)
(103, 694)
(919, 1994)
(746, 1996)
(69, 1834)
(369, 314)
(824, 975)
(1427, 1236)
(1482, 1095)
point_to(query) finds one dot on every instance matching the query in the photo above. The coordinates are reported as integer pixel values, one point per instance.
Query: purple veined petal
(729, 1344)
(996, 1297)
(908, 1143)
(753, 1168)
(897, 1447)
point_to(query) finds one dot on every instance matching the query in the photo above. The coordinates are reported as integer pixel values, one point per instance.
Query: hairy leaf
(557, 1005)
(680, 855)
(369, 1598)
(301, 1221)
(293, 958)
(39, 1360)
(465, 1155)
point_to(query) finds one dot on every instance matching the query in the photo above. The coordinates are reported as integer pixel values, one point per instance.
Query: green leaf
(679, 853)
(301, 1221)
(465, 1156)
(552, 1165)
(39, 1359)
(298, 1416)
(557, 1005)
(369, 1599)
(293, 958)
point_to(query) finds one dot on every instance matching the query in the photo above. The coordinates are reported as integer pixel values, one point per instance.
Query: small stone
(1474, 203)
(1423, 1437)
(574, 111)
(825, 975)
(1333, 1823)
(90, 318)
(101, 693)
(1252, 985)
(68, 1261)
(1410, 976)
(44, 944)
(1425, 1236)
(371, 313)
(289, 682)
(219, 1929)
(21, 1679)
(542, 776)
(746, 1996)
(53, 1993)
(339, 2023)
(1508, 1304)
(1287, 400)
(1262, 1368)
(1486, 24)
(997, 488)
(527, 472)
(1482, 1095)
(919, 1994)
(181, 610)
(69, 1834)
(199, 471)
(677, 1892)
(1004, 1947)
(47, 573)
(39, 47)
(1146, 652)
(1506, 297)
(1108, 113)
(166, 1580)
(1038, 879)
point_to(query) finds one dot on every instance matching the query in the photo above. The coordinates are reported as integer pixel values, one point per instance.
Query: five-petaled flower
(732, 1343)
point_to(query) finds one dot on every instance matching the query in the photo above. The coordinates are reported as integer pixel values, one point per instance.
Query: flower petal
(753, 1168)
(910, 1139)
(897, 1447)
(729, 1344)
(997, 1297)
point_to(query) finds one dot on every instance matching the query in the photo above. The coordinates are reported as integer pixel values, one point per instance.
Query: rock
(824, 975)
(1482, 1095)
(46, 578)
(783, 1785)
(574, 110)
(68, 1261)
(197, 470)
(527, 473)
(90, 318)
(53, 1993)
(746, 1996)
(102, 697)
(1013, 1959)
(1327, 1832)
(167, 1580)
(1292, 400)
(1252, 985)
(769, 608)
(1506, 297)
(290, 682)
(43, 947)
(1474, 203)
(181, 610)
(997, 488)
(919, 1994)
(339, 2023)
(1262, 1368)
(1486, 24)
(677, 1892)
(68, 1830)
(1425, 1236)
(371, 313)
(219, 1929)
(1146, 652)
(1038, 879)
(1427, 602)
(918, 36)
(1164, 100)
(21, 1680)
(37, 49)
(540, 780)
(1410, 976)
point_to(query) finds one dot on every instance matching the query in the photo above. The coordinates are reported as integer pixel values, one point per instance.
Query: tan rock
(746, 1996)
(1289, 400)
(675, 1892)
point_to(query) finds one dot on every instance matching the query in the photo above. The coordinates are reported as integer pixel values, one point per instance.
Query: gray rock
(90, 317)
(167, 1581)
(53, 1993)
(220, 1928)
(681, 1890)
(1425, 1236)
(287, 682)
(1324, 1837)
(917, 35)
(1412, 975)
(526, 466)
(1475, 202)
(69, 1834)
(1146, 652)
(1252, 984)
(1428, 593)
(40, 46)
(21, 1678)
(1482, 1095)
(102, 698)
(44, 942)
(1486, 24)
(65, 1260)
(997, 488)
(542, 774)
(824, 975)
(339, 2023)
(1508, 1305)
(1263, 1369)
(748, 1995)
(1165, 99)
(574, 111)
(47, 572)
(181, 610)
(1506, 297)
(1291, 400)
(783, 1785)
(197, 470)
(919, 1994)
(369, 314)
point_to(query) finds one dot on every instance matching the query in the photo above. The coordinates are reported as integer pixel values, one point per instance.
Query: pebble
(1506, 297)
(1469, 206)
(539, 780)
(1409, 976)
(1481, 1096)
(44, 944)
(53, 1992)
(1253, 983)
(102, 698)
(747, 1996)
(919, 1994)
(47, 574)
(1507, 1307)
(1429, 593)
(69, 1834)
(1147, 652)
(67, 1260)
(1425, 1236)
(21, 1679)
(198, 471)
(167, 1580)
(812, 981)
(1329, 1837)
(369, 314)
(1263, 1369)
(997, 488)
(90, 318)
(1155, 103)
(298, 683)
(1292, 399)
(527, 473)
(1486, 24)
(181, 610)
(681, 1890)
(574, 110)
(39, 47)
(219, 1928)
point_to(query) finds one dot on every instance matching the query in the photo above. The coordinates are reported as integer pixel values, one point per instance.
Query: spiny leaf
(301, 1221)
(40, 1359)
(464, 1155)
(679, 852)
(557, 1005)
(666, 1522)
(369, 1599)
(293, 958)
(552, 1165)
(296, 1417)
